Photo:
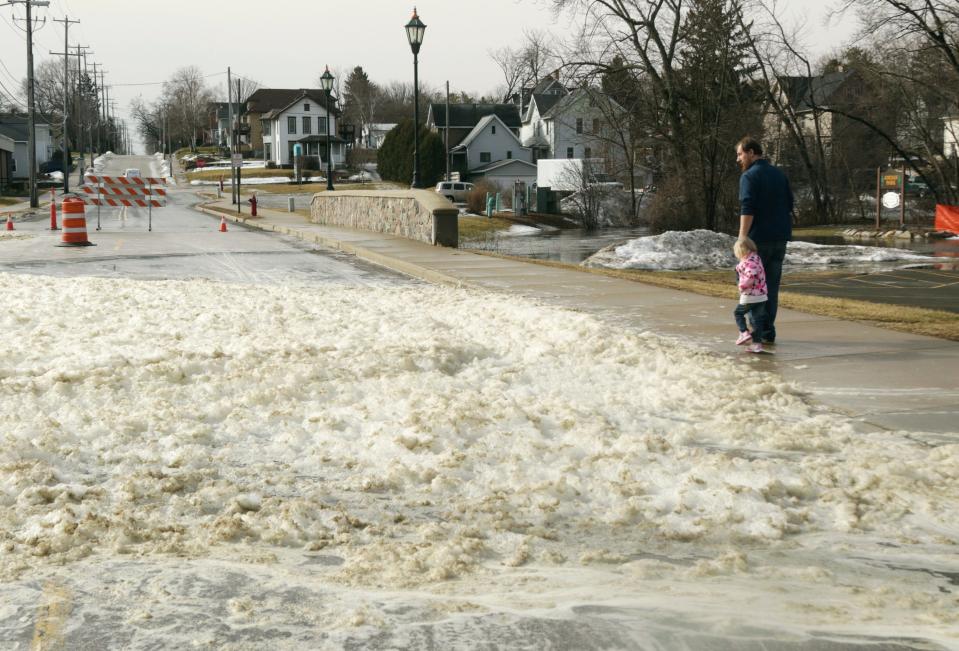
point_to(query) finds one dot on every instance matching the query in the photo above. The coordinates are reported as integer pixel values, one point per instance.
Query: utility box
(546, 201)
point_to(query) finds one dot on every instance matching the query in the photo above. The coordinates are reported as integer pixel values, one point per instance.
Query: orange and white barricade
(74, 219)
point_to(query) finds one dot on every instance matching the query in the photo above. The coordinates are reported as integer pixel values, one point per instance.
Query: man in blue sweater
(765, 217)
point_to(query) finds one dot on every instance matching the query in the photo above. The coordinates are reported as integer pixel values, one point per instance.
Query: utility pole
(31, 117)
(229, 112)
(96, 82)
(78, 97)
(66, 91)
(86, 73)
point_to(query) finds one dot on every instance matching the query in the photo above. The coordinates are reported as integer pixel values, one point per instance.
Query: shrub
(476, 200)
(669, 210)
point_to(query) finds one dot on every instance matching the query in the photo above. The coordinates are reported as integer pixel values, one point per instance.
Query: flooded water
(569, 245)
(575, 245)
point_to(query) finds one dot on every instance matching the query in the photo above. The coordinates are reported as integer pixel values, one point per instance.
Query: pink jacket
(752, 279)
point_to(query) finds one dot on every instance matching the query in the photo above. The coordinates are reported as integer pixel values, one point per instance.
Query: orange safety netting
(947, 218)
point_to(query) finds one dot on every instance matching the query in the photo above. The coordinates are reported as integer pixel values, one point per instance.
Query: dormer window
(306, 106)
(494, 129)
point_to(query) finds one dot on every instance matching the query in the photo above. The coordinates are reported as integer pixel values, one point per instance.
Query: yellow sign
(890, 180)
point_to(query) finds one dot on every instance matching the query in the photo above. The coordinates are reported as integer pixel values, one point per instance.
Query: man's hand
(745, 223)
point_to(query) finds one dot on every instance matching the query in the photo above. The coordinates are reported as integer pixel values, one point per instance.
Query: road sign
(237, 160)
(890, 180)
(890, 200)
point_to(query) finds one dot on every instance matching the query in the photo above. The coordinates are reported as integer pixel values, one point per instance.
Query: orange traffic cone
(222, 224)
(9, 222)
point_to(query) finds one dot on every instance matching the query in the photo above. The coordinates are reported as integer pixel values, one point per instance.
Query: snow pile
(203, 419)
(520, 230)
(704, 249)
(673, 250)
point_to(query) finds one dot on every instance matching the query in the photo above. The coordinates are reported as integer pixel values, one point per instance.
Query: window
(588, 153)
(291, 124)
(579, 125)
(266, 127)
(569, 152)
(307, 124)
(509, 154)
(306, 107)
(321, 125)
(458, 186)
(494, 130)
(485, 157)
(268, 150)
(595, 125)
(14, 161)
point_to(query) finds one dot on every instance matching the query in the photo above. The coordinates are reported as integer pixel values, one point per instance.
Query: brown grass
(9, 201)
(915, 320)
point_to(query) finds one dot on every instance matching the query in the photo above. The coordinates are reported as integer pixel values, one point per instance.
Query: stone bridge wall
(419, 215)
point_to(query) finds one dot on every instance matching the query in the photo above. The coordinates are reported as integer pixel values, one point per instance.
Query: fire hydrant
(252, 201)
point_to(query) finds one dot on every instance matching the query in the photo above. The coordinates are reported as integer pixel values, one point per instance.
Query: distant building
(490, 141)
(217, 132)
(464, 117)
(268, 102)
(950, 136)
(7, 148)
(15, 127)
(304, 120)
(374, 134)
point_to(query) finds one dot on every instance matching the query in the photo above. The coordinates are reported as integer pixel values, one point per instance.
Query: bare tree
(187, 95)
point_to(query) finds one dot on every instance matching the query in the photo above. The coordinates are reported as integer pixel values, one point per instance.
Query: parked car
(917, 186)
(455, 191)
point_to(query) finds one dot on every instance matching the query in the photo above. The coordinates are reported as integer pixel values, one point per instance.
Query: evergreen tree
(395, 157)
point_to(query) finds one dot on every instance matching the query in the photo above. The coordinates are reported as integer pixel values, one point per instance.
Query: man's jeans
(772, 254)
(757, 314)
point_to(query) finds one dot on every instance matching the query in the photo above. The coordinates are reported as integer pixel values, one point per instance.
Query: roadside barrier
(74, 223)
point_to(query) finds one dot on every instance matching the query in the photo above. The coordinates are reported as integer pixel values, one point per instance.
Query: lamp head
(415, 30)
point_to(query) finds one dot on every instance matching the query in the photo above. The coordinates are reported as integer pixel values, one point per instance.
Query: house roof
(16, 127)
(6, 143)
(380, 126)
(479, 128)
(804, 93)
(466, 116)
(265, 100)
(566, 102)
(489, 167)
(319, 138)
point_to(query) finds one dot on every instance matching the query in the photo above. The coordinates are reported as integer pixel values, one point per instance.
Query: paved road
(182, 244)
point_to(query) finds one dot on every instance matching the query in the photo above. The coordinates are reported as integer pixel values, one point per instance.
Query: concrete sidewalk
(879, 378)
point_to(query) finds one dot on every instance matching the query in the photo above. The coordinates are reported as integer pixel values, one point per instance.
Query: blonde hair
(743, 247)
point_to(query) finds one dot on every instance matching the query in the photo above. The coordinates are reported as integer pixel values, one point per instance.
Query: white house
(373, 134)
(16, 128)
(305, 121)
(950, 136)
(505, 173)
(582, 124)
(490, 141)
(7, 148)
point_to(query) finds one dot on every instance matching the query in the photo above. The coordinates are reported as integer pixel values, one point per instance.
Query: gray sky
(286, 43)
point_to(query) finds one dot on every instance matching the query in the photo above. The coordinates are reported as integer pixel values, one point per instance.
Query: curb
(395, 264)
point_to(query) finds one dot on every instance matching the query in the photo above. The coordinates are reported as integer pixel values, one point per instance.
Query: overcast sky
(286, 43)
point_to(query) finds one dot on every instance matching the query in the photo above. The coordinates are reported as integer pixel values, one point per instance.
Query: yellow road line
(51, 617)
(118, 245)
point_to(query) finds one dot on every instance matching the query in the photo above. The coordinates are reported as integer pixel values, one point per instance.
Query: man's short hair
(750, 144)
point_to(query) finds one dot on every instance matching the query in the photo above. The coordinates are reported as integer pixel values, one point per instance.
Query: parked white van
(454, 190)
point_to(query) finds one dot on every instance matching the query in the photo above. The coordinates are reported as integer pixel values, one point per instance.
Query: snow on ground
(703, 249)
(265, 180)
(519, 230)
(473, 450)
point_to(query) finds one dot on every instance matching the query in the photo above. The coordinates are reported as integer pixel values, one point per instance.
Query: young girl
(752, 294)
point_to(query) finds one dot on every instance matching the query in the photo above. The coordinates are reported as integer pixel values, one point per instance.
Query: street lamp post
(326, 82)
(415, 29)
